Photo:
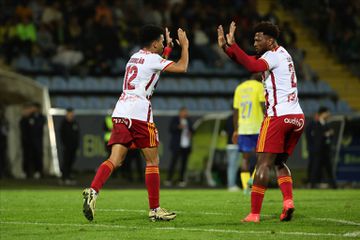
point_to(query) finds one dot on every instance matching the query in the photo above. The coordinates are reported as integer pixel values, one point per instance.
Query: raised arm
(236, 53)
(182, 64)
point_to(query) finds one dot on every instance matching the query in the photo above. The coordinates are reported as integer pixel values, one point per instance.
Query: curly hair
(267, 28)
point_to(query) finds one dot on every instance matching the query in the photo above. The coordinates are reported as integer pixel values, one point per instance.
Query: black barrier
(348, 165)
(92, 148)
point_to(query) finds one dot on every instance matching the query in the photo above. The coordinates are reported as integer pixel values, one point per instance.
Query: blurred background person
(180, 145)
(32, 129)
(249, 107)
(70, 140)
(27, 154)
(4, 128)
(232, 156)
(37, 122)
(322, 136)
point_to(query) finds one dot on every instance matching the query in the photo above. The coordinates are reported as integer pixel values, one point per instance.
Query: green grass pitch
(201, 214)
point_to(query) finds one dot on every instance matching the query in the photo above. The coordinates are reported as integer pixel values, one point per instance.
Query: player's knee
(152, 162)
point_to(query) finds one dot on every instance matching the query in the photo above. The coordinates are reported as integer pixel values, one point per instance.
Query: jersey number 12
(130, 75)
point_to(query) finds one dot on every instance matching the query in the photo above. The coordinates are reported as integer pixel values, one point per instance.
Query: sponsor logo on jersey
(299, 122)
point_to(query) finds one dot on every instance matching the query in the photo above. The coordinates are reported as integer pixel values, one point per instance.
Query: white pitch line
(348, 234)
(338, 221)
(342, 221)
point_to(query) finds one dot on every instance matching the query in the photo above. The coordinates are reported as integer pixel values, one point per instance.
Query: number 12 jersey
(140, 80)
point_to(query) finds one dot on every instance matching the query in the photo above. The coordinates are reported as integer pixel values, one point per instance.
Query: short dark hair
(323, 109)
(149, 33)
(267, 28)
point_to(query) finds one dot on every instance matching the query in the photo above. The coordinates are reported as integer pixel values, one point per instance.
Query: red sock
(285, 184)
(103, 173)
(257, 196)
(152, 181)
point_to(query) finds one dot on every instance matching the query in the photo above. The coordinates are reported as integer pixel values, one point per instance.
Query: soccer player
(248, 114)
(133, 118)
(284, 119)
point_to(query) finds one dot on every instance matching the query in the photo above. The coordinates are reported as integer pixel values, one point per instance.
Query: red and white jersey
(280, 84)
(141, 77)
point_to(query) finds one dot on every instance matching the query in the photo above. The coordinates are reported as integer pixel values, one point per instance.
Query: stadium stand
(81, 57)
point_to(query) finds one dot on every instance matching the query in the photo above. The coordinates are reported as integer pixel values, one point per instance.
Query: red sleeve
(249, 62)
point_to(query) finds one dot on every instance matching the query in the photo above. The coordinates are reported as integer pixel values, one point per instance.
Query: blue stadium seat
(186, 85)
(119, 66)
(23, 63)
(94, 103)
(222, 104)
(118, 84)
(91, 83)
(107, 84)
(231, 85)
(217, 85)
(309, 87)
(174, 103)
(205, 104)
(201, 85)
(310, 106)
(197, 66)
(78, 103)
(167, 85)
(58, 83)
(75, 83)
(43, 80)
(343, 107)
(329, 104)
(190, 103)
(61, 102)
(323, 87)
(158, 103)
(109, 102)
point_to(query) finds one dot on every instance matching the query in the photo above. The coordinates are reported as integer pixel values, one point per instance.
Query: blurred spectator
(270, 15)
(32, 129)
(52, 14)
(37, 122)
(109, 29)
(27, 151)
(322, 138)
(67, 57)
(287, 35)
(45, 41)
(180, 145)
(232, 156)
(152, 14)
(74, 32)
(4, 128)
(309, 131)
(23, 12)
(70, 139)
(303, 70)
(103, 13)
(336, 23)
(26, 33)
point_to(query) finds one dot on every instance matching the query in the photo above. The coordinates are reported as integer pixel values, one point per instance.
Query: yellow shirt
(248, 100)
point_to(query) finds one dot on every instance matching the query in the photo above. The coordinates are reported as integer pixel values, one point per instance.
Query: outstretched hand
(182, 39)
(169, 40)
(221, 37)
(230, 36)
